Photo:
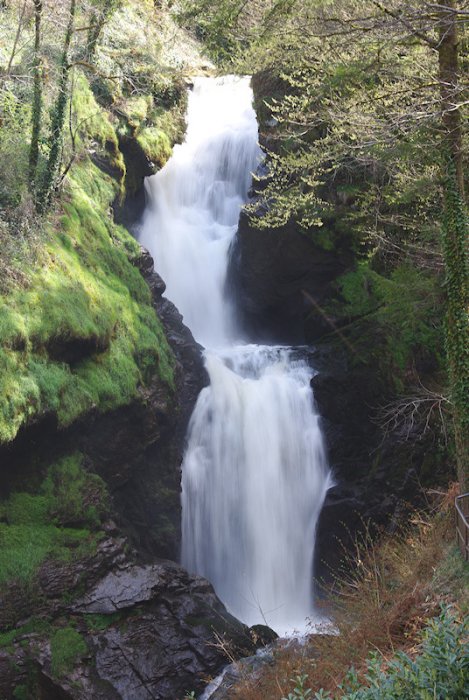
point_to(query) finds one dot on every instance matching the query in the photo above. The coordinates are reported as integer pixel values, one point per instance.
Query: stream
(254, 475)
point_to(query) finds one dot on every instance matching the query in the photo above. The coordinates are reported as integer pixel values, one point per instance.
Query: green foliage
(214, 25)
(21, 692)
(358, 289)
(97, 623)
(404, 309)
(455, 238)
(14, 121)
(67, 647)
(101, 13)
(439, 671)
(300, 692)
(58, 115)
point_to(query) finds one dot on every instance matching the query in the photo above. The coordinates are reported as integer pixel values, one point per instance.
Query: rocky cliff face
(149, 500)
(281, 279)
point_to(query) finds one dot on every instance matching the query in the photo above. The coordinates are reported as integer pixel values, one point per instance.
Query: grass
(25, 547)
(386, 598)
(98, 623)
(67, 646)
(60, 521)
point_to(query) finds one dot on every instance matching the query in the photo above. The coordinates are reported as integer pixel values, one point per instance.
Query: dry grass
(386, 596)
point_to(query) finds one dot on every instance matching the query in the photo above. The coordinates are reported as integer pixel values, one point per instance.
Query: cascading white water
(195, 203)
(254, 475)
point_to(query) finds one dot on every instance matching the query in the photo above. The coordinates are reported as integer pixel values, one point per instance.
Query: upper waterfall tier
(195, 201)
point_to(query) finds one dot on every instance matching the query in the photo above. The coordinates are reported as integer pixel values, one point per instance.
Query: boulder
(150, 632)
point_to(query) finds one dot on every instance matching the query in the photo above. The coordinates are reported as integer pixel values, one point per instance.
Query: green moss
(84, 291)
(24, 547)
(67, 647)
(156, 145)
(137, 108)
(127, 243)
(93, 122)
(54, 523)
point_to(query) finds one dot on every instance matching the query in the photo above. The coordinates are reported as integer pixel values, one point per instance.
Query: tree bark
(448, 60)
(455, 236)
(58, 119)
(97, 22)
(37, 96)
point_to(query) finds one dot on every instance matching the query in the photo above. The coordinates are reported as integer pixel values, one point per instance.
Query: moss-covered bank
(88, 379)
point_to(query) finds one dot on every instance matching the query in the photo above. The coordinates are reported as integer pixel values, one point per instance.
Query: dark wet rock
(157, 633)
(175, 640)
(278, 277)
(137, 166)
(375, 475)
(149, 500)
(263, 635)
(192, 374)
(126, 587)
(74, 350)
(57, 577)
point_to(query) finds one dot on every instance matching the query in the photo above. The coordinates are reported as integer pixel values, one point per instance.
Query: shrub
(438, 672)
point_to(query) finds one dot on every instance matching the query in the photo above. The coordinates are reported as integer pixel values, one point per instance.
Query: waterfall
(254, 475)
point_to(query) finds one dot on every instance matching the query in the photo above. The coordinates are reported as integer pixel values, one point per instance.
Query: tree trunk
(97, 23)
(37, 96)
(17, 37)
(58, 119)
(455, 237)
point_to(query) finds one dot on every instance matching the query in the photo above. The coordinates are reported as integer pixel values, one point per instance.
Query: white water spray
(254, 474)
